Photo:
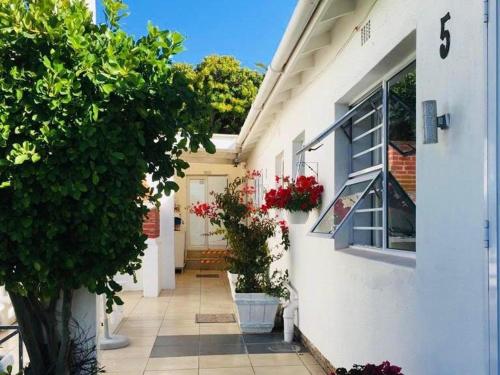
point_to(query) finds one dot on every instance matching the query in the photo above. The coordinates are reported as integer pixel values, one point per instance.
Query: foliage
(225, 91)
(385, 368)
(247, 230)
(86, 112)
(302, 194)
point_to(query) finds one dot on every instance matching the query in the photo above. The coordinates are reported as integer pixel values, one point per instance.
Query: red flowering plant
(302, 194)
(247, 229)
(385, 368)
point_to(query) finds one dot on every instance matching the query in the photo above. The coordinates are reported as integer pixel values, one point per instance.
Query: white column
(167, 248)
(151, 269)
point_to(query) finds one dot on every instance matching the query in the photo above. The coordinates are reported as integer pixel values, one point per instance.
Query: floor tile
(227, 371)
(139, 331)
(263, 338)
(285, 359)
(127, 352)
(174, 351)
(281, 370)
(221, 361)
(222, 349)
(307, 358)
(125, 364)
(186, 340)
(173, 372)
(316, 370)
(274, 348)
(221, 339)
(173, 363)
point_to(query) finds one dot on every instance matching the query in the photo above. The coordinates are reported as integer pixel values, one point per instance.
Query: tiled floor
(166, 340)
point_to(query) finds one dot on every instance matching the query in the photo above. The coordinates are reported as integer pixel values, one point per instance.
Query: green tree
(86, 112)
(225, 91)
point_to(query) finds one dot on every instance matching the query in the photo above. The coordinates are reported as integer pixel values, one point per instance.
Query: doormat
(208, 275)
(215, 318)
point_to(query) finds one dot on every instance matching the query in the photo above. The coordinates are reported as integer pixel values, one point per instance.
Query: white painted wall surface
(427, 314)
(452, 271)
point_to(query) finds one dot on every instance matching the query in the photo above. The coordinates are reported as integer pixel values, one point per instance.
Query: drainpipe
(291, 307)
(298, 23)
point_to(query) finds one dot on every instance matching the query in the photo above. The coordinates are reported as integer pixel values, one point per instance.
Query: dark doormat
(215, 318)
(208, 275)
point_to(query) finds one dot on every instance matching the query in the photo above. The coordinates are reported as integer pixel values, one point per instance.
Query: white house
(402, 266)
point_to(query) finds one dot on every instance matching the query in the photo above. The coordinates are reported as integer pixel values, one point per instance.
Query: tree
(86, 112)
(225, 91)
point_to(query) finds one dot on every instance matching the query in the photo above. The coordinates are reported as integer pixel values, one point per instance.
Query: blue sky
(248, 29)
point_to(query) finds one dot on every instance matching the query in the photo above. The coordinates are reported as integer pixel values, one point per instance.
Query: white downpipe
(294, 31)
(289, 314)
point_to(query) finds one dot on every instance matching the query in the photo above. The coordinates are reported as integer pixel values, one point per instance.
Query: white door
(199, 228)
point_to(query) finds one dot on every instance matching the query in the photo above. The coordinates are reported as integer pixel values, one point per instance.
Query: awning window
(344, 204)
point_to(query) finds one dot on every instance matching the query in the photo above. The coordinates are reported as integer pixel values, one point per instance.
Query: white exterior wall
(426, 312)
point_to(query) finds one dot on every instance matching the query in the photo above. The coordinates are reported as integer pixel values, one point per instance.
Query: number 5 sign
(444, 49)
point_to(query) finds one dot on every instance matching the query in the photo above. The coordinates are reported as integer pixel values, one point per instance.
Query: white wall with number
(428, 311)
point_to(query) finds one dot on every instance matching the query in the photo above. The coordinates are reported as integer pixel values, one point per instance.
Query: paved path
(166, 340)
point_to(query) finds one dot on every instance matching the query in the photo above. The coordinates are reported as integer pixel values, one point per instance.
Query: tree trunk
(46, 332)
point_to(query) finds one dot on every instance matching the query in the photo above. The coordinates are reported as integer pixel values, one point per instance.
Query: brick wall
(403, 168)
(151, 225)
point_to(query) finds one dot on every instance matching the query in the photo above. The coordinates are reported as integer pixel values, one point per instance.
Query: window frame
(372, 177)
(381, 169)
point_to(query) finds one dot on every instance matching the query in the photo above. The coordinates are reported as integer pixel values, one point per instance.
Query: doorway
(199, 229)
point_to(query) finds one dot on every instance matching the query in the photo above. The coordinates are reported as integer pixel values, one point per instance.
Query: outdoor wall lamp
(432, 121)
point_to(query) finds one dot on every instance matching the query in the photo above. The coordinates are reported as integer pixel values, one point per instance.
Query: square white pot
(256, 312)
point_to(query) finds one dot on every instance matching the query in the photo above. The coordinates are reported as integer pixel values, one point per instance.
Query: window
(298, 162)
(378, 199)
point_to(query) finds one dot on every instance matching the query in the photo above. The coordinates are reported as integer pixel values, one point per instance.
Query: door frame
(492, 181)
(188, 200)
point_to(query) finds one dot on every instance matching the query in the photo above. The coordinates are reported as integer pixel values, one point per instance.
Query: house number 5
(444, 49)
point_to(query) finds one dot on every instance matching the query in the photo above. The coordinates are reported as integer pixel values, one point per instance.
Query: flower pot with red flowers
(298, 197)
(257, 290)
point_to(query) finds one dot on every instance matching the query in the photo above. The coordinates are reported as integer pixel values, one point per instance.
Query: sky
(250, 30)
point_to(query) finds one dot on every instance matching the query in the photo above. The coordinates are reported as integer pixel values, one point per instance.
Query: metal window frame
(372, 177)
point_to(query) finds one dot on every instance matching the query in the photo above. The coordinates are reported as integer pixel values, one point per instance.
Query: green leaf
(95, 178)
(37, 266)
(35, 158)
(118, 155)
(5, 184)
(107, 88)
(20, 159)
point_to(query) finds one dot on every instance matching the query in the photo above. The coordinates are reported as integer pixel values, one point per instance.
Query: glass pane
(401, 218)
(197, 228)
(366, 135)
(401, 160)
(342, 206)
(368, 214)
(216, 184)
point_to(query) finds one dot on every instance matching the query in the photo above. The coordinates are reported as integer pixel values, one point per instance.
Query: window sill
(397, 257)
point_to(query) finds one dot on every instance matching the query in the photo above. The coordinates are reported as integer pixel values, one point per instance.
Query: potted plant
(257, 290)
(298, 197)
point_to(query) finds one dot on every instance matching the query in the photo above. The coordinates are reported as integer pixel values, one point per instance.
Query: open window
(345, 204)
(378, 200)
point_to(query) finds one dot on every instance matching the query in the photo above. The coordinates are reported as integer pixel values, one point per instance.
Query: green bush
(86, 112)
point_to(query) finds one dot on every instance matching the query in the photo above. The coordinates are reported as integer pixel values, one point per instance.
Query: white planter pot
(256, 312)
(233, 279)
(297, 217)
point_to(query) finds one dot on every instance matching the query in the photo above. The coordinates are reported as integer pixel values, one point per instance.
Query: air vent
(365, 33)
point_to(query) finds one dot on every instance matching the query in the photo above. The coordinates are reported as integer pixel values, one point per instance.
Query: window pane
(401, 160)
(342, 206)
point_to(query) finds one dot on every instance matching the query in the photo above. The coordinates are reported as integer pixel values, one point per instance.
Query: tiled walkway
(166, 340)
